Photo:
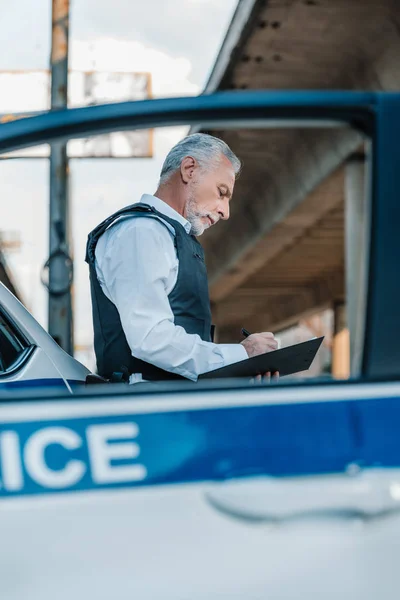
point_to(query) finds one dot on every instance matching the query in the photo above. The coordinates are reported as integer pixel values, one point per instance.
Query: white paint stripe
(51, 500)
(213, 399)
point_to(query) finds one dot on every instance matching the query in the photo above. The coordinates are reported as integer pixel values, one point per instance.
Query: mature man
(151, 309)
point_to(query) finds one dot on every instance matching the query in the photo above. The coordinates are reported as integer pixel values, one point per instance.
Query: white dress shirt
(137, 267)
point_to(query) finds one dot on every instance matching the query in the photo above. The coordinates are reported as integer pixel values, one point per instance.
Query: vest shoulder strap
(134, 211)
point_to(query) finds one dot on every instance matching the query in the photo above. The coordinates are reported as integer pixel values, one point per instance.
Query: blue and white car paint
(281, 492)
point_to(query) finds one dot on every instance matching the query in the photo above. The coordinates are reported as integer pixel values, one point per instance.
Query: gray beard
(194, 219)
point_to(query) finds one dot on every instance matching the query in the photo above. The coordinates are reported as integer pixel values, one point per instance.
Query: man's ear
(188, 167)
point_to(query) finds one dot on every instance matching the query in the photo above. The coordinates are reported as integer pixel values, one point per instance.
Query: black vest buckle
(120, 376)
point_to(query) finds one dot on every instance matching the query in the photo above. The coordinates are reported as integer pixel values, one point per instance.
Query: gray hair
(206, 149)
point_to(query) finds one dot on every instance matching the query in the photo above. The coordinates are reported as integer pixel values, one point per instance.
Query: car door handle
(369, 495)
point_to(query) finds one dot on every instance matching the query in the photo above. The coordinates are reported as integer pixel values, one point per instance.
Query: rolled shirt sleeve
(137, 267)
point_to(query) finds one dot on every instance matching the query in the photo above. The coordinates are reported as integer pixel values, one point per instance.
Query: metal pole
(356, 252)
(59, 263)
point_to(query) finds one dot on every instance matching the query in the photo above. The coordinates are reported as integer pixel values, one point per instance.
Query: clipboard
(288, 360)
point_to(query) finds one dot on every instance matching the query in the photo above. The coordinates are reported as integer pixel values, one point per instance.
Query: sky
(176, 41)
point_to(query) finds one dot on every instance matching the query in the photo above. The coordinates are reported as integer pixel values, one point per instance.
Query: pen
(247, 333)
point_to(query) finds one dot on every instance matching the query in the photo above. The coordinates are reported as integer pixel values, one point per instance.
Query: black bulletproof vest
(189, 300)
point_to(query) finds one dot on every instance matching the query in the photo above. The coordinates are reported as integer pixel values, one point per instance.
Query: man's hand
(265, 378)
(260, 343)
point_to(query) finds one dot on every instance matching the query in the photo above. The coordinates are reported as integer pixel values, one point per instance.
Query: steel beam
(59, 263)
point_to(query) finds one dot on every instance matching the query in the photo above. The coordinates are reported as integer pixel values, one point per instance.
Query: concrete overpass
(281, 255)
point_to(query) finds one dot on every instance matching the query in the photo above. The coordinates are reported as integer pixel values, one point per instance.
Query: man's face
(209, 194)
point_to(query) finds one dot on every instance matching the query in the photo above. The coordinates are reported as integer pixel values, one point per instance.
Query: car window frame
(27, 350)
(375, 114)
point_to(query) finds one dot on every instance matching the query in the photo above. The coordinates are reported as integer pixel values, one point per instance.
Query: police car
(211, 491)
(29, 357)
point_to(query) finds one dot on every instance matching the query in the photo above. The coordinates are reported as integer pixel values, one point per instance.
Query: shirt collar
(166, 210)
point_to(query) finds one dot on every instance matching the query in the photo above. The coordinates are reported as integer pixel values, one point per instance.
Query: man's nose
(223, 210)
